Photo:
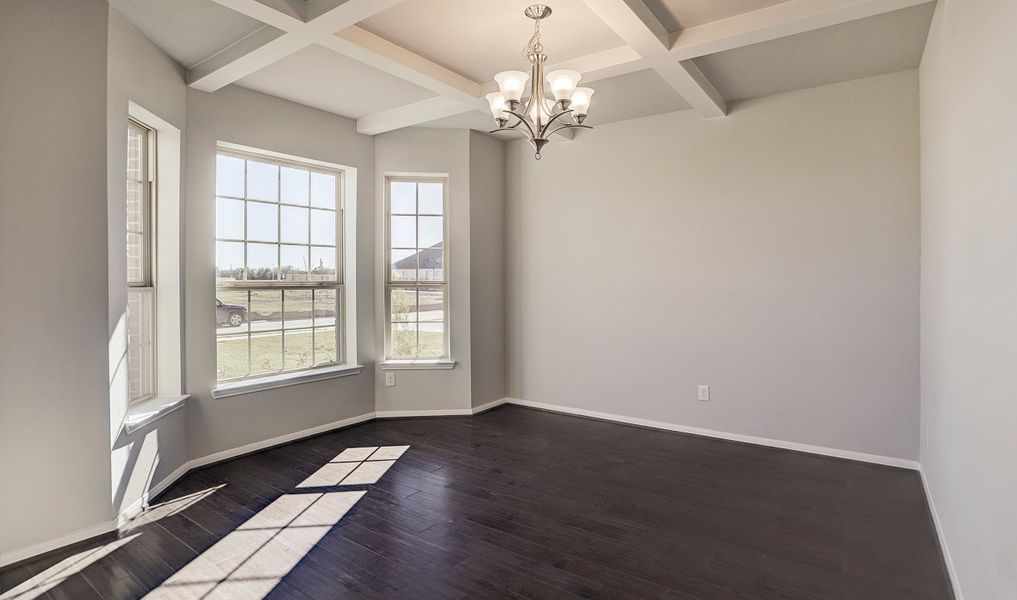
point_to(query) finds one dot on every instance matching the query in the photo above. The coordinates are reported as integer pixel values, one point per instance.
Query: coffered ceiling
(399, 63)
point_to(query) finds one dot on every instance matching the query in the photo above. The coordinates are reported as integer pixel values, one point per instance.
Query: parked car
(230, 315)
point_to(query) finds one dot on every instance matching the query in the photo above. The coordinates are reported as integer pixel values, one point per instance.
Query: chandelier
(542, 117)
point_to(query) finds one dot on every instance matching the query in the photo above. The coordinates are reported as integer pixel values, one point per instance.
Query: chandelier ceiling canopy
(541, 116)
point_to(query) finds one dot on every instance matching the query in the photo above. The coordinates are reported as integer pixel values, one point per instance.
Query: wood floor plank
(519, 503)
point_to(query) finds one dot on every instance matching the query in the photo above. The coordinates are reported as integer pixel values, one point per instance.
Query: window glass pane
(294, 224)
(229, 176)
(404, 340)
(266, 352)
(229, 218)
(325, 348)
(266, 310)
(322, 190)
(135, 152)
(299, 349)
(140, 342)
(262, 181)
(135, 206)
(404, 265)
(297, 309)
(325, 307)
(231, 356)
(229, 261)
(231, 315)
(262, 261)
(431, 198)
(295, 188)
(135, 258)
(404, 198)
(323, 227)
(432, 264)
(432, 340)
(404, 232)
(323, 264)
(431, 304)
(262, 222)
(293, 263)
(431, 231)
(404, 304)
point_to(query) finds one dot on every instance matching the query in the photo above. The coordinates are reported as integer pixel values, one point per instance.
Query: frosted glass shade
(511, 84)
(581, 100)
(563, 83)
(497, 103)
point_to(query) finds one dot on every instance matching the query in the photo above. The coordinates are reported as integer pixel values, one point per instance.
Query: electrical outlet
(389, 379)
(704, 393)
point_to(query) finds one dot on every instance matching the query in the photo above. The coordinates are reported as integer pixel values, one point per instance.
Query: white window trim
(347, 186)
(389, 362)
(166, 276)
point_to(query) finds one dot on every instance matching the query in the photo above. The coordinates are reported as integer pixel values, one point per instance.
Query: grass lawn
(266, 352)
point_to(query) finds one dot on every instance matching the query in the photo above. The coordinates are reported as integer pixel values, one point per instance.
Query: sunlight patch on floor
(37, 586)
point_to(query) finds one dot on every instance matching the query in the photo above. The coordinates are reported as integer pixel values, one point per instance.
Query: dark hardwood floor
(515, 503)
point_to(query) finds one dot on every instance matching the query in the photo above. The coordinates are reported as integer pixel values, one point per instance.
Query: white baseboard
(736, 437)
(950, 569)
(439, 412)
(9, 558)
(489, 405)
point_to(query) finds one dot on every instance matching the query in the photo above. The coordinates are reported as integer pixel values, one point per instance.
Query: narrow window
(141, 324)
(279, 280)
(416, 279)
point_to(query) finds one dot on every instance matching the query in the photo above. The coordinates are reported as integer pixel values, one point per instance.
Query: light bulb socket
(513, 105)
(502, 122)
(579, 118)
(564, 103)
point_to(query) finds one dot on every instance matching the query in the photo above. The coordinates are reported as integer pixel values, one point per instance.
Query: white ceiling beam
(377, 52)
(601, 65)
(640, 29)
(777, 21)
(302, 24)
(438, 107)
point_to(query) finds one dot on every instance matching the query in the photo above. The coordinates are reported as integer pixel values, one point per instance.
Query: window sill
(142, 413)
(420, 365)
(248, 386)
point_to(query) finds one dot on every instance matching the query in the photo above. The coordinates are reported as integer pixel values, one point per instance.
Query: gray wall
(773, 255)
(241, 116)
(419, 150)
(487, 258)
(137, 71)
(969, 288)
(54, 409)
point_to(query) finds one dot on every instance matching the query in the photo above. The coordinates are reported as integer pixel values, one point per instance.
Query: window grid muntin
(417, 283)
(251, 285)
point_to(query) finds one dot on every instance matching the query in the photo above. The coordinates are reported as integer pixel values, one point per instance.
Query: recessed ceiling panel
(323, 79)
(675, 15)
(884, 43)
(478, 38)
(188, 30)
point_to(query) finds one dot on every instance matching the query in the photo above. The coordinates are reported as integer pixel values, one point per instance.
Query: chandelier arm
(522, 120)
(553, 118)
(567, 126)
(509, 130)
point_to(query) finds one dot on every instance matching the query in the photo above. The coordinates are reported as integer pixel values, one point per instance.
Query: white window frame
(344, 357)
(445, 360)
(145, 287)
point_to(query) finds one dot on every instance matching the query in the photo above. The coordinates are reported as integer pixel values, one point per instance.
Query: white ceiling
(320, 78)
(478, 38)
(882, 44)
(676, 15)
(445, 52)
(188, 30)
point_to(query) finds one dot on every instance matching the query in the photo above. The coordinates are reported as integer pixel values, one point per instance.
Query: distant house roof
(430, 258)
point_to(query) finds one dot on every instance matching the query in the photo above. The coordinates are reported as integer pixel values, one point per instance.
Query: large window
(416, 284)
(140, 261)
(278, 266)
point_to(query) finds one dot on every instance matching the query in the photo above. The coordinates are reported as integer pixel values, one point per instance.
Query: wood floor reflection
(514, 503)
